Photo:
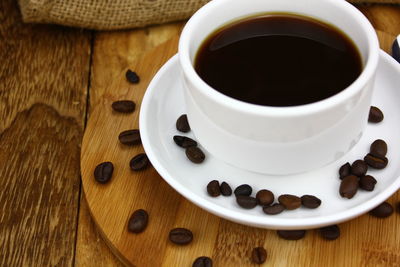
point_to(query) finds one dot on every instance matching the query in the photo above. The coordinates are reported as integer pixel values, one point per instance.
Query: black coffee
(278, 60)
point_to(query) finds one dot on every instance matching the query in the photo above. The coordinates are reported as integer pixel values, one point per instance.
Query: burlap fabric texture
(115, 14)
(107, 14)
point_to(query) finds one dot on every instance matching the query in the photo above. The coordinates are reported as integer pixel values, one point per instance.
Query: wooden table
(50, 77)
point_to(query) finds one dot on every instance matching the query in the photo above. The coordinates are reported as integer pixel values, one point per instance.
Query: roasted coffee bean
(182, 124)
(273, 209)
(213, 188)
(138, 221)
(290, 202)
(246, 202)
(367, 183)
(195, 155)
(130, 137)
(124, 106)
(139, 162)
(382, 211)
(132, 76)
(311, 202)
(203, 262)
(378, 148)
(349, 186)
(226, 190)
(243, 190)
(345, 170)
(359, 168)
(265, 197)
(180, 236)
(376, 162)
(291, 234)
(184, 141)
(259, 255)
(331, 232)
(103, 172)
(375, 115)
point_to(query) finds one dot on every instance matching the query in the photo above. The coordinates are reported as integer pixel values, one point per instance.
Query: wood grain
(146, 183)
(113, 53)
(365, 241)
(91, 250)
(384, 18)
(43, 83)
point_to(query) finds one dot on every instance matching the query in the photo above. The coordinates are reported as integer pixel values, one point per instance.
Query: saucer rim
(239, 216)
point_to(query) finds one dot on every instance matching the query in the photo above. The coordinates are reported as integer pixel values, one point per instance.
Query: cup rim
(249, 108)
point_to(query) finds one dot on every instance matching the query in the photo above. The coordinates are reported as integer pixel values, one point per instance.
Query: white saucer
(163, 104)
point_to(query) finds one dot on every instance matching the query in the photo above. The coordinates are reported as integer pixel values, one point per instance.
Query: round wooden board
(365, 241)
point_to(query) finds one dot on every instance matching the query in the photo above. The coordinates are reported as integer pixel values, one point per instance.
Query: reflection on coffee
(278, 60)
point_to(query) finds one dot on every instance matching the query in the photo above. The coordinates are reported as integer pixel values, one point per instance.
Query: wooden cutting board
(365, 241)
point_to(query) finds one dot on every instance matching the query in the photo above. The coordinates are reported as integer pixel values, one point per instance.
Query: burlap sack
(115, 14)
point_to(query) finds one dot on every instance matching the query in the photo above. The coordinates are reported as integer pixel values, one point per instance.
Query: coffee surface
(278, 60)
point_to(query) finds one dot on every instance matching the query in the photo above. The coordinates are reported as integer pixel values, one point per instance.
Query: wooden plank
(384, 18)
(386, 21)
(365, 241)
(91, 250)
(43, 83)
(113, 53)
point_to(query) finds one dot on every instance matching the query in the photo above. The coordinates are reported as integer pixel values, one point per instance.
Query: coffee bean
(349, 186)
(184, 141)
(182, 124)
(375, 115)
(124, 106)
(139, 162)
(382, 211)
(246, 202)
(243, 190)
(195, 155)
(367, 183)
(203, 262)
(130, 137)
(132, 77)
(226, 190)
(345, 170)
(291, 234)
(359, 168)
(310, 201)
(103, 172)
(273, 209)
(290, 202)
(265, 197)
(180, 236)
(138, 221)
(331, 232)
(378, 148)
(376, 162)
(259, 255)
(213, 188)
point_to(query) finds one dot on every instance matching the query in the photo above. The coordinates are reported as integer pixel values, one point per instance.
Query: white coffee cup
(278, 140)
